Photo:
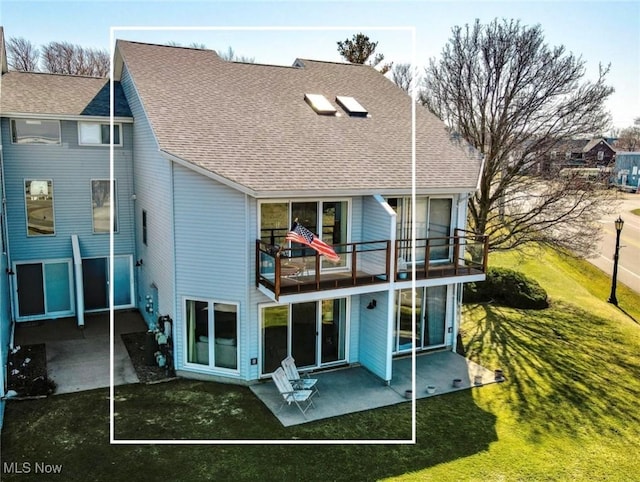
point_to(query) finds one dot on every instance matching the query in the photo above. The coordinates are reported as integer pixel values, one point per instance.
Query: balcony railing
(463, 254)
(287, 271)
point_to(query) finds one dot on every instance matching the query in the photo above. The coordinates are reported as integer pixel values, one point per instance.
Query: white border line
(112, 439)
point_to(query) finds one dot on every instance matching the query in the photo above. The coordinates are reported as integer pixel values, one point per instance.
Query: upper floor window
(327, 219)
(39, 204)
(101, 205)
(600, 155)
(97, 134)
(35, 131)
(553, 155)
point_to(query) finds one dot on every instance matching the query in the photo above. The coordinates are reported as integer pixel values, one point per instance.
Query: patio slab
(78, 358)
(355, 389)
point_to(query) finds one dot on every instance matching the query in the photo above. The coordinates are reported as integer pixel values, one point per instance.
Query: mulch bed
(27, 372)
(136, 346)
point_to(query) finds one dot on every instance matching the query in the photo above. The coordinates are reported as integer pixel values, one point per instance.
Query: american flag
(300, 234)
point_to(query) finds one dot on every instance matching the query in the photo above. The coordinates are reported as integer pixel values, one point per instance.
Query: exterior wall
(5, 307)
(71, 168)
(376, 327)
(154, 194)
(212, 245)
(627, 170)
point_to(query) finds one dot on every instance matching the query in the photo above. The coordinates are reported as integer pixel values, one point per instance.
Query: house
(213, 162)
(596, 152)
(228, 155)
(626, 173)
(56, 185)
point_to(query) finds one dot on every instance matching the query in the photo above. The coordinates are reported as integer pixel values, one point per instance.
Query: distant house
(214, 161)
(595, 152)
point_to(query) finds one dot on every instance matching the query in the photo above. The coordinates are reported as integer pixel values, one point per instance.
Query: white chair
(298, 382)
(302, 398)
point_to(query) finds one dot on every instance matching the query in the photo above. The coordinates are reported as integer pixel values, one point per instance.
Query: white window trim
(11, 121)
(110, 280)
(211, 367)
(98, 144)
(26, 210)
(319, 202)
(47, 314)
(347, 333)
(115, 207)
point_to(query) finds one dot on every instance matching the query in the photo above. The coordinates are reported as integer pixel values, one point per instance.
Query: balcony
(289, 271)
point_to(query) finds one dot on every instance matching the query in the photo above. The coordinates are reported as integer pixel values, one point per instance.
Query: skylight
(351, 105)
(320, 104)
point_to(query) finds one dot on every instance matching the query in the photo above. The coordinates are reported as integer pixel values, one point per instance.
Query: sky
(278, 32)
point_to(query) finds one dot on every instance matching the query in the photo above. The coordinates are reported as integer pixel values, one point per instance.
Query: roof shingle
(250, 124)
(56, 94)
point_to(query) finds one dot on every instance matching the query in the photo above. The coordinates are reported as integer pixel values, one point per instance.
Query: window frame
(211, 330)
(14, 141)
(26, 207)
(101, 143)
(115, 226)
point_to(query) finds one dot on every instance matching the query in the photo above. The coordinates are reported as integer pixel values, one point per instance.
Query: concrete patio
(354, 389)
(78, 358)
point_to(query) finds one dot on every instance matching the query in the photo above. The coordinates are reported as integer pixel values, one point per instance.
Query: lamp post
(619, 223)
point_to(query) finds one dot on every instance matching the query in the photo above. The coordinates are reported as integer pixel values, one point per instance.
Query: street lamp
(619, 223)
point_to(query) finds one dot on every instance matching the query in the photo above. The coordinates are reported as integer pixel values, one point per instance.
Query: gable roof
(594, 142)
(59, 95)
(249, 124)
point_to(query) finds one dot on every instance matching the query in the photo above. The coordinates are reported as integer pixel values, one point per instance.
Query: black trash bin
(150, 349)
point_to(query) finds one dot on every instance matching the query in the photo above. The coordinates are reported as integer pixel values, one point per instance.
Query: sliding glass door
(314, 333)
(430, 318)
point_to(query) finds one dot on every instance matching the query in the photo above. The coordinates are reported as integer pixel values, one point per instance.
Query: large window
(97, 134)
(212, 333)
(35, 131)
(314, 333)
(433, 222)
(101, 203)
(327, 219)
(39, 207)
(430, 318)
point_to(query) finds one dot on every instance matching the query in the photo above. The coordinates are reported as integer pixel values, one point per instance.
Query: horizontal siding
(374, 334)
(71, 168)
(211, 246)
(153, 190)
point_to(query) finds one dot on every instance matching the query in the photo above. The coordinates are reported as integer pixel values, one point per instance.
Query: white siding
(71, 168)
(211, 245)
(154, 194)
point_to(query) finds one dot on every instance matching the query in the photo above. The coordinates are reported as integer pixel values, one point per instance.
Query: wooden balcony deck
(367, 263)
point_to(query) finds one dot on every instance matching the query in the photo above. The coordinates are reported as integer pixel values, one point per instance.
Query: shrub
(508, 288)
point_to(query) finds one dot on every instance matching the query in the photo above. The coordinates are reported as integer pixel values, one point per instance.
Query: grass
(566, 412)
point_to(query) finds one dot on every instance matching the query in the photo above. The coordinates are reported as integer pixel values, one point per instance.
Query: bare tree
(403, 76)
(71, 59)
(231, 56)
(359, 49)
(22, 55)
(629, 139)
(515, 99)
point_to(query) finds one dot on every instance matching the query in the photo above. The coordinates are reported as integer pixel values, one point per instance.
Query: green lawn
(568, 410)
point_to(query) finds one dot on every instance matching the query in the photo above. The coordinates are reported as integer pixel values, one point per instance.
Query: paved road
(629, 261)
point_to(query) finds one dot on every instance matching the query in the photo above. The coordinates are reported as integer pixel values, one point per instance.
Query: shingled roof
(249, 124)
(59, 95)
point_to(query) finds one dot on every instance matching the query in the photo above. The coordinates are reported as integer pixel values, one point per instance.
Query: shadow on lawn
(567, 370)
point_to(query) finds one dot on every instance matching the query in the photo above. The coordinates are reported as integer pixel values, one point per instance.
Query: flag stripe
(300, 234)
